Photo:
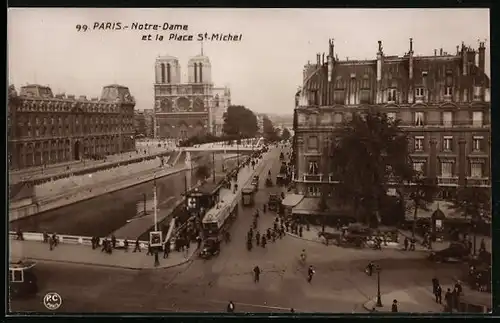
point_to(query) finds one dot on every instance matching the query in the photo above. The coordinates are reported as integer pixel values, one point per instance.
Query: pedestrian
(45, 237)
(92, 240)
(54, 237)
(482, 247)
(287, 226)
(150, 250)
(300, 231)
(449, 301)
(113, 241)
(257, 238)
(137, 246)
(230, 307)
(394, 307)
(187, 249)
(310, 273)
(125, 245)
(292, 310)
(51, 244)
(438, 293)
(198, 241)
(104, 245)
(406, 242)
(412, 244)
(458, 287)
(256, 272)
(166, 249)
(263, 242)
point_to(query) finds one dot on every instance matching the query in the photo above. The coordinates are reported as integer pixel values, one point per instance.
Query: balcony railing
(313, 177)
(478, 181)
(448, 181)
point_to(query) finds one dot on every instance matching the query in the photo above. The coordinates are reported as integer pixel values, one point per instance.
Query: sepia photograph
(222, 160)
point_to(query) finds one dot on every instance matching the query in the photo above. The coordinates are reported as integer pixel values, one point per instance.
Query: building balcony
(448, 124)
(478, 181)
(331, 179)
(312, 177)
(448, 181)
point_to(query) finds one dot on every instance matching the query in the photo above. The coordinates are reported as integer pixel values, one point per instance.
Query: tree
(421, 193)
(268, 130)
(239, 121)
(285, 134)
(371, 154)
(474, 202)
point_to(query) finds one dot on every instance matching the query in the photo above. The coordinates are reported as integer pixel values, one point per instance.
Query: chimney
(410, 53)
(318, 58)
(481, 60)
(323, 60)
(330, 60)
(440, 52)
(380, 55)
(458, 51)
(435, 52)
(464, 59)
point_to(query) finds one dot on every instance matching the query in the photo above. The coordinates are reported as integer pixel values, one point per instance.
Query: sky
(263, 69)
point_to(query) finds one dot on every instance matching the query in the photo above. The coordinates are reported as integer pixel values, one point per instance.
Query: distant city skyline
(263, 69)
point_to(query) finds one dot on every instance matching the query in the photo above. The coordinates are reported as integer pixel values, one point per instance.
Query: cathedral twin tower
(168, 70)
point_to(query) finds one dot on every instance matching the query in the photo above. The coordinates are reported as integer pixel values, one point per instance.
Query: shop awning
(312, 206)
(292, 200)
(308, 205)
(443, 206)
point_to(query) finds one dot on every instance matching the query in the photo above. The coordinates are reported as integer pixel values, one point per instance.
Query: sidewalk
(57, 169)
(413, 300)
(78, 254)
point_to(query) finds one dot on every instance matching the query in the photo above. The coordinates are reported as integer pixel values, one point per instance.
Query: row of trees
(371, 155)
(240, 122)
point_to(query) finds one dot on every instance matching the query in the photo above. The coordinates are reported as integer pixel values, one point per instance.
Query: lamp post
(238, 150)
(379, 297)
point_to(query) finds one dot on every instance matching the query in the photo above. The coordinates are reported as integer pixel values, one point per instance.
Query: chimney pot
(411, 44)
(440, 52)
(435, 52)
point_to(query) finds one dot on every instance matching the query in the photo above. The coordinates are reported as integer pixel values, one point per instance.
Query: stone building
(442, 100)
(192, 107)
(46, 129)
(140, 123)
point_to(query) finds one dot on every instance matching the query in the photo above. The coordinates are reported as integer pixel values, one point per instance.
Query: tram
(22, 279)
(248, 195)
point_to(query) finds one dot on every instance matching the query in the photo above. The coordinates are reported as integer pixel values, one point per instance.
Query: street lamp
(379, 297)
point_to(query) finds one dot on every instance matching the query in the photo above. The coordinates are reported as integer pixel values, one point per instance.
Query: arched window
(201, 72)
(168, 74)
(195, 72)
(162, 68)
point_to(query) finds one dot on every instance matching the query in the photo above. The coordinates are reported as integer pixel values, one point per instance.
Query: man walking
(256, 272)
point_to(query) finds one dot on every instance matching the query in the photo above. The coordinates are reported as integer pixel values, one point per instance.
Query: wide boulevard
(339, 285)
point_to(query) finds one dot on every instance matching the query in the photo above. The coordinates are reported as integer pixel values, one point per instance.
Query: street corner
(414, 300)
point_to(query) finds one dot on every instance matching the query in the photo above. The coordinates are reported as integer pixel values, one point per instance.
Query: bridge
(246, 145)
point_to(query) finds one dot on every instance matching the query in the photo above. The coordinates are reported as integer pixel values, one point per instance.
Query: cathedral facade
(185, 108)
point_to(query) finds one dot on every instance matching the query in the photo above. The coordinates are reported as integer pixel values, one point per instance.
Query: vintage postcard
(249, 160)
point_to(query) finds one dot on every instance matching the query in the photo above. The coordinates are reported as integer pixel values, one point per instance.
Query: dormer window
(419, 92)
(448, 91)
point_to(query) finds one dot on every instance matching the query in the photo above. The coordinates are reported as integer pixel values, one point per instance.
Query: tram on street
(22, 279)
(248, 195)
(218, 219)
